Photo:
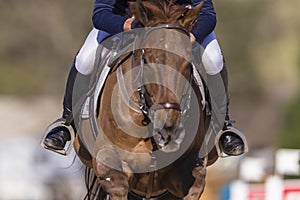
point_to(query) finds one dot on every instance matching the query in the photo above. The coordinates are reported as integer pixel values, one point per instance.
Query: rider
(116, 13)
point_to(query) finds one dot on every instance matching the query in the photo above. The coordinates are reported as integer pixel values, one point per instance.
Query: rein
(166, 26)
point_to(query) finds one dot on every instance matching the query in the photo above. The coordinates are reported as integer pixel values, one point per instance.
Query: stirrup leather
(60, 123)
(234, 130)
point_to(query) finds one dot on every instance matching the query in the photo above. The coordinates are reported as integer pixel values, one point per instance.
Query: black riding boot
(57, 138)
(231, 143)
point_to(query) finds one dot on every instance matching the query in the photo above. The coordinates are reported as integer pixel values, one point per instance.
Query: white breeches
(85, 58)
(212, 57)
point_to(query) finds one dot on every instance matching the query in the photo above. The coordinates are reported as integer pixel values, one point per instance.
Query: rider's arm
(207, 8)
(206, 22)
(105, 19)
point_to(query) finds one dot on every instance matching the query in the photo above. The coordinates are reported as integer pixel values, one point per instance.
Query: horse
(145, 148)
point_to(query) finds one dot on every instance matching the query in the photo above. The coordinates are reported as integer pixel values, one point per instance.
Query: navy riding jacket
(110, 15)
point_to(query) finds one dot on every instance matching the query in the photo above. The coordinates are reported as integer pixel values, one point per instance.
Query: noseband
(146, 104)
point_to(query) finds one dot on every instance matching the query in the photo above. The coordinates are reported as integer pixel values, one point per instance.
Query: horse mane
(153, 12)
(161, 12)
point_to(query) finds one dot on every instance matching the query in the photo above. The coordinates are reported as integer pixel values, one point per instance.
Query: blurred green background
(259, 38)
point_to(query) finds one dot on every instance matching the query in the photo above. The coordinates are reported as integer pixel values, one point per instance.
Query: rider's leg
(57, 137)
(79, 74)
(87, 54)
(231, 143)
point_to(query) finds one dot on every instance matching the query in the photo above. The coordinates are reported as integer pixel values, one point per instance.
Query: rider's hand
(127, 24)
(192, 37)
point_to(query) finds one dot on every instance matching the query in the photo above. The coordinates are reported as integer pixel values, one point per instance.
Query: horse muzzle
(168, 131)
(169, 144)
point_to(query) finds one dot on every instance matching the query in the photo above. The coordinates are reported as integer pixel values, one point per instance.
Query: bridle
(146, 105)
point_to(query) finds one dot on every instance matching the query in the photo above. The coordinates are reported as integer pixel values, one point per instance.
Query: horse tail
(94, 190)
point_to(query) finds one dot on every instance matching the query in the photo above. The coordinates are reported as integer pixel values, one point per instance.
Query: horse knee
(114, 182)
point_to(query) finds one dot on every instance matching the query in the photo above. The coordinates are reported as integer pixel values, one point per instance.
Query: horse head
(165, 61)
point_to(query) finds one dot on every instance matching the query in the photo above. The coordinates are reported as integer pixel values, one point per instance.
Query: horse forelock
(163, 12)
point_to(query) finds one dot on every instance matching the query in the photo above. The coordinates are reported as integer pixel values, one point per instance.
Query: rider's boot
(232, 141)
(57, 137)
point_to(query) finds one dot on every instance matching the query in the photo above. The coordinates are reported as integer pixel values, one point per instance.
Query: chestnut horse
(152, 124)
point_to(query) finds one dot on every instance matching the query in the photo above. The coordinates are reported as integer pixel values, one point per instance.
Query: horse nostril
(168, 139)
(163, 136)
(169, 128)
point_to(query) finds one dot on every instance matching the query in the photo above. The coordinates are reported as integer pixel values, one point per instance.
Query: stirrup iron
(60, 123)
(234, 130)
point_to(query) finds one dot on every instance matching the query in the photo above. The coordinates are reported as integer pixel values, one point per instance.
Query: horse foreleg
(111, 176)
(197, 188)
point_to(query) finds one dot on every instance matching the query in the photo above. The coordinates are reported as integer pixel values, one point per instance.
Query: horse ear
(191, 16)
(142, 12)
